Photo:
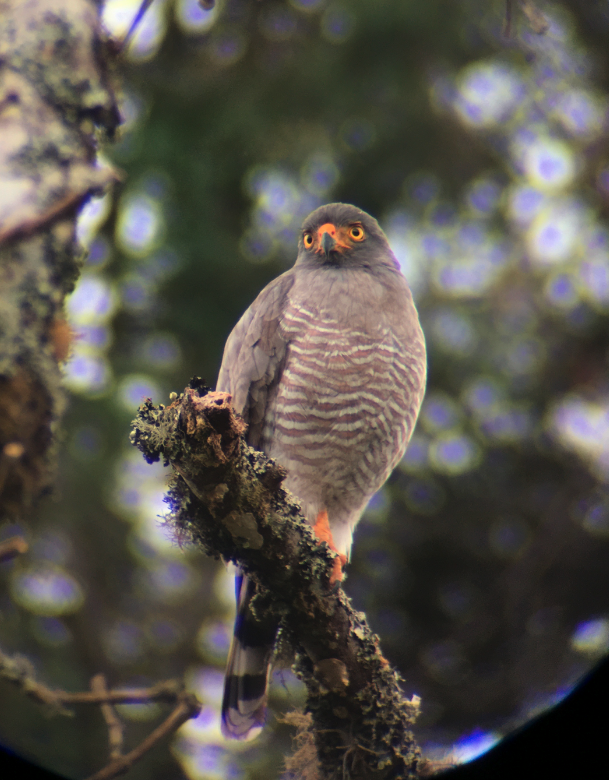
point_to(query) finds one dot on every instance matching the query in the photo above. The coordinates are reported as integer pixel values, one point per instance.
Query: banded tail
(247, 669)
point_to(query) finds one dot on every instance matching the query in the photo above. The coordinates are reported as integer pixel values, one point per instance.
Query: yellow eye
(356, 233)
(308, 240)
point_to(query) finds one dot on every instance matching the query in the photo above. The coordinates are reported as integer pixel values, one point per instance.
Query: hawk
(328, 369)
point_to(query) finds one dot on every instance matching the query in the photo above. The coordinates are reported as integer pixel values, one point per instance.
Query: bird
(328, 369)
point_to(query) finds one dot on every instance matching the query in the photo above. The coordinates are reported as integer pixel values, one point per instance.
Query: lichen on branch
(56, 102)
(228, 498)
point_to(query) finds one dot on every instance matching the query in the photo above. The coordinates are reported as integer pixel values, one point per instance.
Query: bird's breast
(343, 387)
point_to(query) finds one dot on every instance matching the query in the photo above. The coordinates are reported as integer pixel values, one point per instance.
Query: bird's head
(340, 234)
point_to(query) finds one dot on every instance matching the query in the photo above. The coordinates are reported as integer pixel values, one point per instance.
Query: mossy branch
(228, 498)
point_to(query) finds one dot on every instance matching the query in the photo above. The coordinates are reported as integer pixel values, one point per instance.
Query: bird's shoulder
(255, 349)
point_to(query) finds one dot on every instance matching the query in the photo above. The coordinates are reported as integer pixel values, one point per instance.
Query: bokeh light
(134, 389)
(581, 113)
(90, 308)
(117, 17)
(594, 280)
(200, 747)
(213, 640)
(583, 427)
(562, 291)
(165, 635)
(227, 47)
(278, 23)
(596, 518)
(162, 351)
(92, 302)
(524, 203)
(483, 195)
(508, 536)
(92, 216)
(472, 273)
(54, 546)
(51, 631)
(474, 745)
(439, 412)
(554, 232)
(488, 93)
(549, 164)
(454, 332)
(454, 454)
(592, 637)
(416, 456)
(337, 23)
(168, 581)
(47, 590)
(404, 239)
(123, 642)
(87, 374)
(140, 224)
(192, 18)
(282, 201)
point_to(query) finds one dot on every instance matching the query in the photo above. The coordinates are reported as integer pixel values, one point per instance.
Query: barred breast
(343, 412)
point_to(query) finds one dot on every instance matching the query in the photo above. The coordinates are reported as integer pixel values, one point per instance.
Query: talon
(321, 529)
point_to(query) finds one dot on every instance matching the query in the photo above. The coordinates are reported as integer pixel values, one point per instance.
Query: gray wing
(254, 354)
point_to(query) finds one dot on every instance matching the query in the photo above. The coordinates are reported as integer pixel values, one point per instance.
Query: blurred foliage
(483, 563)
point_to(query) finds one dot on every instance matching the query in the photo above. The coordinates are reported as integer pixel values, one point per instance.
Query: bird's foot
(322, 531)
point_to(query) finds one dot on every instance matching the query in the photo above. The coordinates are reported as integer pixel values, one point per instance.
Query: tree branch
(113, 722)
(228, 498)
(19, 671)
(187, 707)
(12, 547)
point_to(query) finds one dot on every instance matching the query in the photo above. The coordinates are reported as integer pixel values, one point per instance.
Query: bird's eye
(356, 233)
(308, 240)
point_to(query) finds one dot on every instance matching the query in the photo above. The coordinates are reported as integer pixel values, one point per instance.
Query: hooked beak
(327, 243)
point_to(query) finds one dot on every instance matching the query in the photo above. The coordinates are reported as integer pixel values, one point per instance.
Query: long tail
(247, 669)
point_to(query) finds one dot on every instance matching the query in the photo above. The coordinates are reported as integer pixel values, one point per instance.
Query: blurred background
(483, 564)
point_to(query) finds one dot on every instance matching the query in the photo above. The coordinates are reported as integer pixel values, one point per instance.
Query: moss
(228, 498)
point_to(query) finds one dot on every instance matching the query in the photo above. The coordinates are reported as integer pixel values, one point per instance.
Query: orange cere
(327, 228)
(340, 235)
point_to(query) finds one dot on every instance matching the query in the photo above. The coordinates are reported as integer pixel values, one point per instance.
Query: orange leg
(322, 531)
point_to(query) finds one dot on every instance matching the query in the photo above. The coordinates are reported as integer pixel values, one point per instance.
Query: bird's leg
(322, 531)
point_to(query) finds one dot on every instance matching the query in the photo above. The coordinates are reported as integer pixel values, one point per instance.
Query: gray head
(340, 234)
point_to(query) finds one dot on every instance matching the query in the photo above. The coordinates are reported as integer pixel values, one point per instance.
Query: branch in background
(12, 547)
(206, 5)
(228, 498)
(141, 11)
(537, 20)
(20, 672)
(187, 707)
(507, 25)
(113, 722)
